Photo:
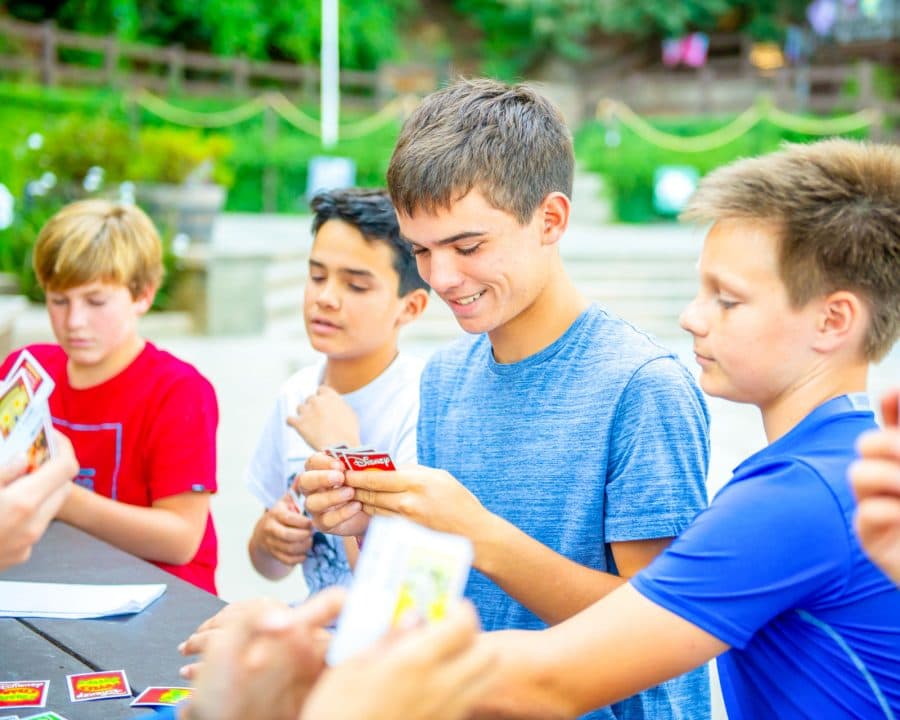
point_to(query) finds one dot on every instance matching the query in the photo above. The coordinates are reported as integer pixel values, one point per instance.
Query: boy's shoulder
(304, 381)
(157, 366)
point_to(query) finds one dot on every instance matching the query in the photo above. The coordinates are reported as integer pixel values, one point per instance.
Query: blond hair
(99, 240)
(837, 206)
(507, 141)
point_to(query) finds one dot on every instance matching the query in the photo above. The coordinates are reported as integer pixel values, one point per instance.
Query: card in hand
(405, 574)
(25, 424)
(49, 715)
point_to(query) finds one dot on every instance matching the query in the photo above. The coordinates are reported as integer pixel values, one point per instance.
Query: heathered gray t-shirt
(600, 437)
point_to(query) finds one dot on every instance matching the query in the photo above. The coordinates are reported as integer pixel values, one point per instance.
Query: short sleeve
(181, 443)
(659, 455)
(425, 425)
(265, 475)
(766, 545)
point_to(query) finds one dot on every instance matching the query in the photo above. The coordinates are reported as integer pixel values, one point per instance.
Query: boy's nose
(690, 318)
(328, 297)
(441, 271)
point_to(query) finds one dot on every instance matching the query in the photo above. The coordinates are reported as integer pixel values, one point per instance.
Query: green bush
(627, 162)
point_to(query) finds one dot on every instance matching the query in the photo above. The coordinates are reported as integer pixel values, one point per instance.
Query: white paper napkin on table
(64, 600)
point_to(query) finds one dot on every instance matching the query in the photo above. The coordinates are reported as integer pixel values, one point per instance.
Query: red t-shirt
(145, 434)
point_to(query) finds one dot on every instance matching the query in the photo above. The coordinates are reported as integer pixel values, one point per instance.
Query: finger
(321, 461)
(49, 477)
(468, 678)
(875, 477)
(325, 500)
(372, 511)
(312, 481)
(877, 515)
(395, 502)
(190, 671)
(890, 407)
(285, 516)
(880, 443)
(197, 642)
(13, 469)
(322, 608)
(333, 518)
(379, 480)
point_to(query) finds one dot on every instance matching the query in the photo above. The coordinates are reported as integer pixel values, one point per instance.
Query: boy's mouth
(468, 299)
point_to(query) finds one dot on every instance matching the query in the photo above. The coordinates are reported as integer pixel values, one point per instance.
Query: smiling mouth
(468, 300)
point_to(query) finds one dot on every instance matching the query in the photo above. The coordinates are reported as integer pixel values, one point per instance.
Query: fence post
(239, 75)
(270, 172)
(111, 60)
(48, 53)
(176, 67)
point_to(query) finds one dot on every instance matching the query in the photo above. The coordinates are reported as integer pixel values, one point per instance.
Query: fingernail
(346, 493)
(181, 647)
(336, 478)
(184, 671)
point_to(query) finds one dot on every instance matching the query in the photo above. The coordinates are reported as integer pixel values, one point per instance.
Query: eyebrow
(452, 239)
(357, 272)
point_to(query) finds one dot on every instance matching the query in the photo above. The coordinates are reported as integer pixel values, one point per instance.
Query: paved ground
(247, 370)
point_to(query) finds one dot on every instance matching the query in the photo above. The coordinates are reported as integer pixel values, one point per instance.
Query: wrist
(490, 540)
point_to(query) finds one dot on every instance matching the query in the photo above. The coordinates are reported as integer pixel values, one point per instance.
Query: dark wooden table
(143, 645)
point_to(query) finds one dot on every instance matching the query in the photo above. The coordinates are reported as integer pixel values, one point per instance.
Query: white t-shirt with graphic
(387, 409)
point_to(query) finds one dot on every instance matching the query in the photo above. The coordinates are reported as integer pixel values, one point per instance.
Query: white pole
(330, 69)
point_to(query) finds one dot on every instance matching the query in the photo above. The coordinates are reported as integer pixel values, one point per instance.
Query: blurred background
(222, 117)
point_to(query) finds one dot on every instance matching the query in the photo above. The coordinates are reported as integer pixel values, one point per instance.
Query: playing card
(368, 460)
(23, 693)
(38, 379)
(155, 696)
(98, 685)
(49, 715)
(406, 573)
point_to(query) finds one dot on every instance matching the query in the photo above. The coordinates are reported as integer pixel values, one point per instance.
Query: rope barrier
(398, 108)
(609, 109)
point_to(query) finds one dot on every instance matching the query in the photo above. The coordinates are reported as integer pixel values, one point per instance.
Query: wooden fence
(39, 51)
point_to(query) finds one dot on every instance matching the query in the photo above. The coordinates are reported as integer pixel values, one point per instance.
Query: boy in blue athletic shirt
(799, 292)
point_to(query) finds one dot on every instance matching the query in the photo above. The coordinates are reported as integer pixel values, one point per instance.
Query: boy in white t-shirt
(363, 286)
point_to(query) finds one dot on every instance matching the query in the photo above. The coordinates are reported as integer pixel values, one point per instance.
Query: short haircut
(370, 212)
(837, 206)
(99, 240)
(508, 142)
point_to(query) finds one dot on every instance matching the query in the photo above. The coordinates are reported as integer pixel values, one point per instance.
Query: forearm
(152, 533)
(513, 560)
(264, 562)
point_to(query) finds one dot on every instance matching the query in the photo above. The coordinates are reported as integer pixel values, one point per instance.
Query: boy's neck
(542, 323)
(782, 414)
(87, 376)
(346, 375)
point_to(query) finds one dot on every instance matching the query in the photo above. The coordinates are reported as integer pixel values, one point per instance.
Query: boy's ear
(554, 212)
(414, 304)
(144, 301)
(842, 322)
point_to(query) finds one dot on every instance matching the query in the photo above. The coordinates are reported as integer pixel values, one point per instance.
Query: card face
(23, 694)
(156, 696)
(38, 379)
(98, 685)
(49, 715)
(406, 573)
(368, 461)
(25, 423)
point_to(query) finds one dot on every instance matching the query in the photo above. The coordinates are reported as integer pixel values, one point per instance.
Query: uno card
(98, 685)
(38, 379)
(49, 715)
(15, 397)
(24, 693)
(368, 461)
(405, 573)
(156, 696)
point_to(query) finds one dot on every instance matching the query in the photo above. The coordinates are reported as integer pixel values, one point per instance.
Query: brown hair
(98, 240)
(509, 142)
(837, 204)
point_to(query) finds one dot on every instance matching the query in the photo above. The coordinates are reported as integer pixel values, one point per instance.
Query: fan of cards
(352, 458)
(25, 425)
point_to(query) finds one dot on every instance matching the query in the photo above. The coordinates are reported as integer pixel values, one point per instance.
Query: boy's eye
(467, 250)
(58, 301)
(96, 302)
(726, 304)
(317, 278)
(357, 288)
(416, 250)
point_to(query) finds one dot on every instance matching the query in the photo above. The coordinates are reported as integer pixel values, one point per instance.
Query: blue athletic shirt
(600, 437)
(774, 569)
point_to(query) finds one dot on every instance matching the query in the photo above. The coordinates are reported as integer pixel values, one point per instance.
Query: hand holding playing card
(325, 419)
(285, 533)
(263, 665)
(435, 671)
(429, 497)
(28, 502)
(329, 503)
